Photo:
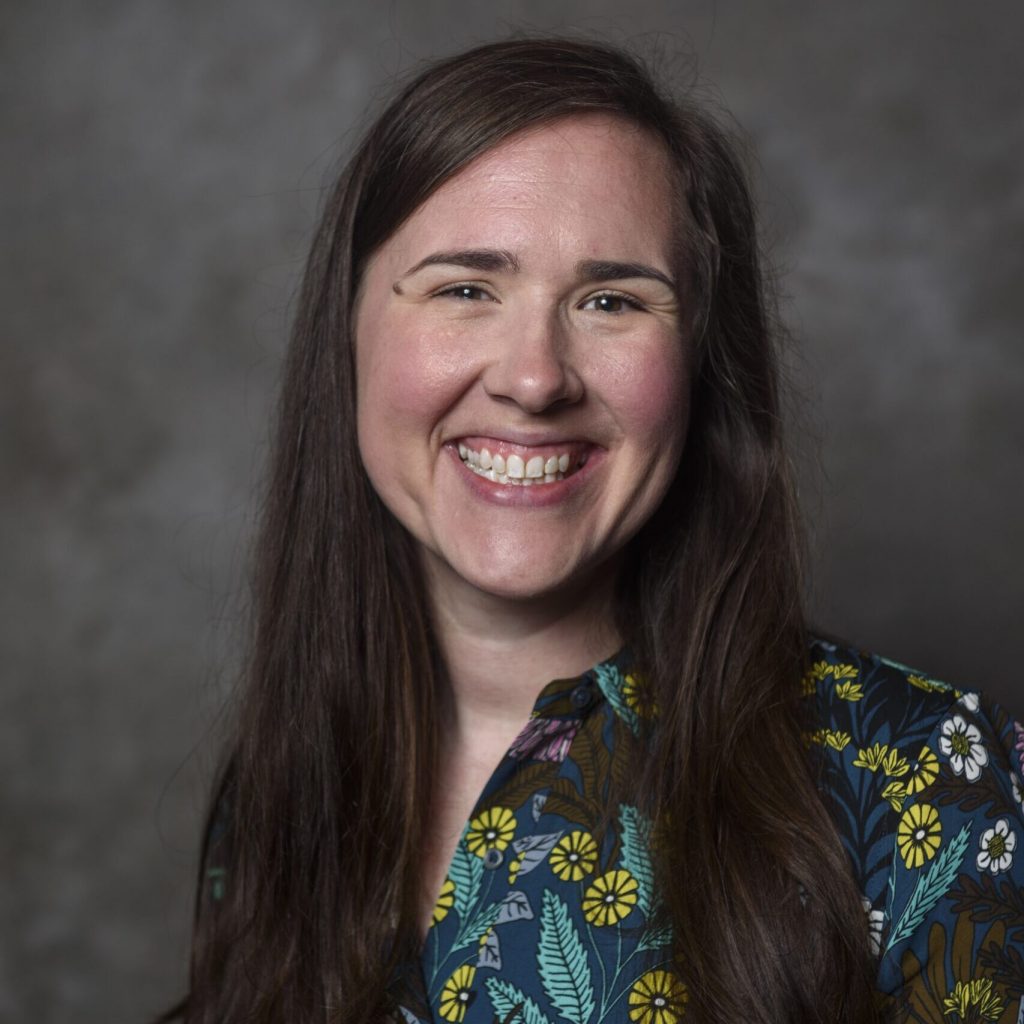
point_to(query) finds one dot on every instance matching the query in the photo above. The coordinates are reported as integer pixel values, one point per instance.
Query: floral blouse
(537, 922)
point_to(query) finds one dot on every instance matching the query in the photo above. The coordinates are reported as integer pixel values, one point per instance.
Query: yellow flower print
(491, 830)
(658, 997)
(445, 901)
(835, 739)
(871, 758)
(928, 685)
(513, 870)
(456, 994)
(925, 773)
(893, 764)
(841, 672)
(818, 736)
(610, 898)
(850, 691)
(895, 793)
(978, 994)
(919, 834)
(574, 856)
(636, 696)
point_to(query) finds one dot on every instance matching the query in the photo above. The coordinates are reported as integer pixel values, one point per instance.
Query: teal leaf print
(537, 805)
(656, 939)
(610, 681)
(532, 850)
(511, 1004)
(490, 951)
(514, 907)
(408, 1016)
(636, 856)
(467, 872)
(932, 886)
(473, 931)
(562, 960)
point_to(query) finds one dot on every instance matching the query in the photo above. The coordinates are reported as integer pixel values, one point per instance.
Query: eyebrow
(490, 261)
(502, 261)
(611, 270)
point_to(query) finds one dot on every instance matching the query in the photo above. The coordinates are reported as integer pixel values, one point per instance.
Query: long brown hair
(308, 895)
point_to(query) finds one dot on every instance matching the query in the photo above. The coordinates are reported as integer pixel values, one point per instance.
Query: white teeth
(514, 470)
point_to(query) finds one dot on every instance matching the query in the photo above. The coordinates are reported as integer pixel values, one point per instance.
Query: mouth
(503, 462)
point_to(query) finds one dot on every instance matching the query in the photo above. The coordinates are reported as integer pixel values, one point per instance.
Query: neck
(500, 653)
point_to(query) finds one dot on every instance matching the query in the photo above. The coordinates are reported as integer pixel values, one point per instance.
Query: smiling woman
(546, 330)
(532, 727)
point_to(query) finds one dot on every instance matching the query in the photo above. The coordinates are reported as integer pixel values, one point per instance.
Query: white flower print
(969, 701)
(876, 918)
(961, 743)
(997, 846)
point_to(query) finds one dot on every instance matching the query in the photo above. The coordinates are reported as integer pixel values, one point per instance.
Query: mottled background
(163, 165)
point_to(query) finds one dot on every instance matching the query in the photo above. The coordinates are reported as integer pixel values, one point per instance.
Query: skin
(534, 346)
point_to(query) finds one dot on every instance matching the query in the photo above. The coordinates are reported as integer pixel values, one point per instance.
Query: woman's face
(522, 370)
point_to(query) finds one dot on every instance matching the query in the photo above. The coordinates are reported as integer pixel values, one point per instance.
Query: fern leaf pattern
(932, 886)
(636, 853)
(512, 1004)
(562, 962)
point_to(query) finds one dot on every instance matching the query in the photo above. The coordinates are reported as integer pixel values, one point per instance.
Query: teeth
(513, 470)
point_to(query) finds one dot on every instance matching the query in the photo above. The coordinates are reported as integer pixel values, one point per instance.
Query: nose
(533, 367)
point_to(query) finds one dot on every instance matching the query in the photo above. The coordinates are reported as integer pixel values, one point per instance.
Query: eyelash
(453, 291)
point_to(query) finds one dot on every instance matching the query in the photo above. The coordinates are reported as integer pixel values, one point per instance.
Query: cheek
(406, 381)
(651, 396)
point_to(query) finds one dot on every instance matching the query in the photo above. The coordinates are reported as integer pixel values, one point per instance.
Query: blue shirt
(537, 922)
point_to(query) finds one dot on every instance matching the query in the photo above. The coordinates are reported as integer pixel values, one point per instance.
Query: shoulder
(863, 695)
(924, 783)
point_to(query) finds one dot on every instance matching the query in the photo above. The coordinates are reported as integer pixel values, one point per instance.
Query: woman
(533, 729)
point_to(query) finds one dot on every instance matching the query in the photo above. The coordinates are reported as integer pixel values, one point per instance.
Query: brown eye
(468, 292)
(609, 302)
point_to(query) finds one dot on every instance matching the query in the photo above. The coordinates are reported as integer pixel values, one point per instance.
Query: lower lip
(532, 495)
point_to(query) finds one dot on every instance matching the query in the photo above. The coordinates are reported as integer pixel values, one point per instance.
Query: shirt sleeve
(954, 941)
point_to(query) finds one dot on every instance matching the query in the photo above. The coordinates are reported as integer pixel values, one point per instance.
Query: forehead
(583, 182)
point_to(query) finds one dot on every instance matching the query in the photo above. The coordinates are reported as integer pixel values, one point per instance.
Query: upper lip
(524, 438)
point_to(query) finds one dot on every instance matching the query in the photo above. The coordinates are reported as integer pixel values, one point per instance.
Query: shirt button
(580, 697)
(493, 859)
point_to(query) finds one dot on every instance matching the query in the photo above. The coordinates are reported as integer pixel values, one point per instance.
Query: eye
(611, 302)
(466, 292)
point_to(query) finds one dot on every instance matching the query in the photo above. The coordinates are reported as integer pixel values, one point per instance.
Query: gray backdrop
(163, 168)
